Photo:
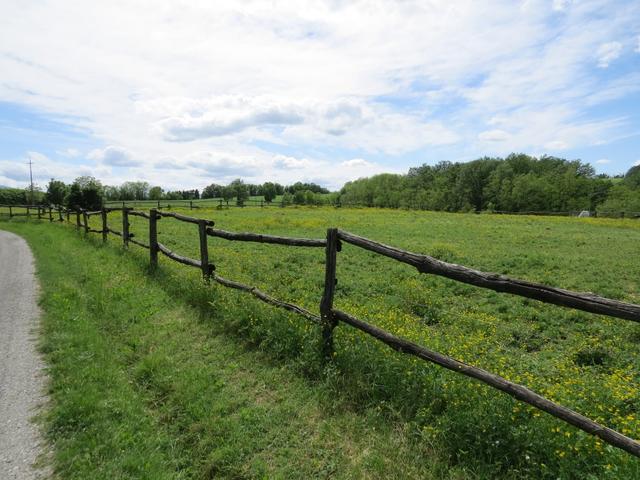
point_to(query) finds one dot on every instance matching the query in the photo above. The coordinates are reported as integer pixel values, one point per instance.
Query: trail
(22, 377)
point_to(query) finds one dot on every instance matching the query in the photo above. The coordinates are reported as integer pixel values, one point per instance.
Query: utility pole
(30, 180)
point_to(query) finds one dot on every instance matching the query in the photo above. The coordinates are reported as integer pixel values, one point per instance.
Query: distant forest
(517, 183)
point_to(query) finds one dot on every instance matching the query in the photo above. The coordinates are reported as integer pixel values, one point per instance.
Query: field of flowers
(583, 361)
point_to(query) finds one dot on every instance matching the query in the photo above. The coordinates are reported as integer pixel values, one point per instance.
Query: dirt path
(21, 369)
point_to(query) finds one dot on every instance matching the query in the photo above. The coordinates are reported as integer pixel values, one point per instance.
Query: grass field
(428, 422)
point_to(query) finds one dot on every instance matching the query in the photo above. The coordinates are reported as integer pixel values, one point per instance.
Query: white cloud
(560, 5)
(608, 52)
(356, 162)
(330, 80)
(493, 135)
(233, 119)
(637, 162)
(69, 152)
(541, 129)
(343, 122)
(114, 156)
(290, 163)
(556, 145)
(15, 172)
(187, 119)
(603, 161)
(223, 165)
(637, 49)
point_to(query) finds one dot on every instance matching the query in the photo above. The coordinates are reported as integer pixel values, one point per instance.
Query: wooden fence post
(85, 217)
(204, 250)
(50, 214)
(125, 227)
(105, 231)
(10, 212)
(326, 304)
(153, 238)
(28, 213)
(39, 213)
(78, 219)
(190, 204)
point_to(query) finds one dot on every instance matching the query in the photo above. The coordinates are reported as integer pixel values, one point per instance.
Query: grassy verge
(147, 381)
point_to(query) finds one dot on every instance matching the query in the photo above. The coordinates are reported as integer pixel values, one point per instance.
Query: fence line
(261, 238)
(500, 283)
(330, 317)
(515, 390)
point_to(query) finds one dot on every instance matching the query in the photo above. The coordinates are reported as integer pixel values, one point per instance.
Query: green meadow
(159, 375)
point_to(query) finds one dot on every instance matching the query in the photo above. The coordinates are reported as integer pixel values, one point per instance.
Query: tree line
(517, 183)
(89, 193)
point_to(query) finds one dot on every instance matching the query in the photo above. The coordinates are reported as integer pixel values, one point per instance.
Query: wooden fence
(329, 317)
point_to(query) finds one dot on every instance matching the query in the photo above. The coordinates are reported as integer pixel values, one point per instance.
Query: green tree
(85, 192)
(212, 191)
(74, 196)
(287, 199)
(269, 191)
(111, 192)
(622, 198)
(156, 193)
(314, 187)
(240, 191)
(173, 195)
(298, 197)
(632, 177)
(56, 191)
(13, 196)
(134, 191)
(227, 193)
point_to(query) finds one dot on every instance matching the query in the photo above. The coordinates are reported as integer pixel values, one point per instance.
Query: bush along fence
(329, 317)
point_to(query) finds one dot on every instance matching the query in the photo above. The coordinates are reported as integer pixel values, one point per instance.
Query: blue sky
(186, 94)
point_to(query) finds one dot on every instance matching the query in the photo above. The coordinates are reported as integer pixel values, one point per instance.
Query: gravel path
(22, 378)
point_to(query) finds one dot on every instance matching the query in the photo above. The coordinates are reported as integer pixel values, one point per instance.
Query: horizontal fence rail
(330, 317)
(178, 258)
(587, 302)
(185, 218)
(261, 238)
(267, 298)
(517, 391)
(139, 214)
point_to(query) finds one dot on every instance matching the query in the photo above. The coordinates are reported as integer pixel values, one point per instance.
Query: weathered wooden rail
(260, 238)
(587, 302)
(331, 317)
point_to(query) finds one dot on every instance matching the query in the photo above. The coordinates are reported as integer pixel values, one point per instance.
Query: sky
(186, 93)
